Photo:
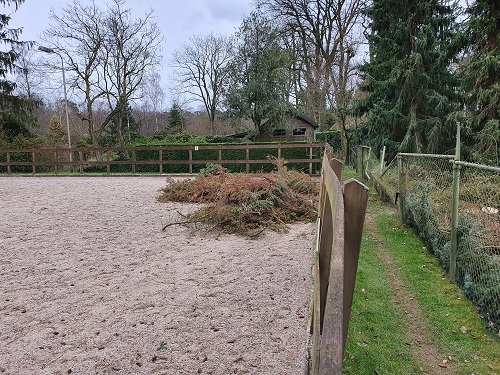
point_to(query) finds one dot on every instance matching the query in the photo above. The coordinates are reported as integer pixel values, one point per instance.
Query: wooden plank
(315, 323)
(325, 254)
(337, 168)
(331, 333)
(355, 202)
(108, 162)
(187, 147)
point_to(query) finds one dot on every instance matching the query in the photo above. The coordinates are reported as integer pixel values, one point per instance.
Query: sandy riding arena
(90, 284)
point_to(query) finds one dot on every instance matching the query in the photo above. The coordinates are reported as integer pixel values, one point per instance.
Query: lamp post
(51, 50)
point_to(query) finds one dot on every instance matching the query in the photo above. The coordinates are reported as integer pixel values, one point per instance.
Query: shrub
(332, 137)
(478, 273)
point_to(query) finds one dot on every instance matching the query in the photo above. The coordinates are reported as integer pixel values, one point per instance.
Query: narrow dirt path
(423, 348)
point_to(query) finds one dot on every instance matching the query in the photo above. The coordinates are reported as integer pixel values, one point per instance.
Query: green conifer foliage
(55, 134)
(16, 113)
(481, 74)
(176, 120)
(411, 91)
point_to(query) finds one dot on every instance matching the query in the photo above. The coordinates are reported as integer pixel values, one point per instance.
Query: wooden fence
(79, 159)
(342, 211)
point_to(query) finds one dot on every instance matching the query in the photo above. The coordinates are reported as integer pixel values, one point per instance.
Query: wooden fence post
(190, 161)
(359, 161)
(133, 161)
(80, 156)
(340, 225)
(33, 159)
(331, 276)
(247, 158)
(355, 202)
(108, 169)
(310, 158)
(382, 160)
(8, 163)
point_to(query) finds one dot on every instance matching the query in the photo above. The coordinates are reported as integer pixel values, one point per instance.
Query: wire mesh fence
(478, 256)
(422, 185)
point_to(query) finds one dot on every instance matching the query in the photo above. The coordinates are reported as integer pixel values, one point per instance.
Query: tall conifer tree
(481, 74)
(411, 89)
(16, 114)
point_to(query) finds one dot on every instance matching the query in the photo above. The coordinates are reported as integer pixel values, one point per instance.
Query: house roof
(309, 120)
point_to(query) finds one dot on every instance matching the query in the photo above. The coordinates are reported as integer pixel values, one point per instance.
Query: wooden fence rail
(342, 211)
(78, 159)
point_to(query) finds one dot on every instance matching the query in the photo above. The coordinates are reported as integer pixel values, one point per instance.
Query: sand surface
(90, 284)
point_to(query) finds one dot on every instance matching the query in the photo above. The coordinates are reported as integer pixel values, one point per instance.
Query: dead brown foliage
(247, 203)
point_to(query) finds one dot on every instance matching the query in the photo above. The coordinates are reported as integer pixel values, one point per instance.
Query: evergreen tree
(176, 120)
(481, 74)
(121, 128)
(16, 113)
(259, 75)
(411, 90)
(55, 135)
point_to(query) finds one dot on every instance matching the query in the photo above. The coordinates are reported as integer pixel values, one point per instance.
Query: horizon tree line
(381, 72)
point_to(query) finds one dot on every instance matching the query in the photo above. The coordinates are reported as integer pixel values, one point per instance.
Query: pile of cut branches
(246, 203)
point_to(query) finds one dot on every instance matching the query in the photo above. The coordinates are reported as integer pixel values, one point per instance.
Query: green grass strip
(376, 344)
(380, 333)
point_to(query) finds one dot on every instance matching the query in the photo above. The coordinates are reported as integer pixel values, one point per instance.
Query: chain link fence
(423, 188)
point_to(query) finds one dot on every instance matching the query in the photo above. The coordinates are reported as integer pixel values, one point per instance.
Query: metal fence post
(400, 195)
(454, 211)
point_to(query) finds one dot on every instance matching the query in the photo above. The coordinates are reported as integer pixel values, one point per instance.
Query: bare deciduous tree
(132, 47)
(325, 35)
(108, 53)
(153, 99)
(200, 69)
(78, 36)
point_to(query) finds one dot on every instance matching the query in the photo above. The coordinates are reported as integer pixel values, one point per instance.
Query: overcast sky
(177, 19)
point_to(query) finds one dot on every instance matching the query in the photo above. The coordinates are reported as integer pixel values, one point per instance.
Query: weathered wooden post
(33, 160)
(359, 161)
(382, 160)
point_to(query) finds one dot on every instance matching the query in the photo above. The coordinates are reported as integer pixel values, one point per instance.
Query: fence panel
(424, 191)
(478, 255)
(161, 159)
(341, 216)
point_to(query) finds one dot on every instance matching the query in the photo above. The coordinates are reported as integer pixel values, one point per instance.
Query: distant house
(296, 128)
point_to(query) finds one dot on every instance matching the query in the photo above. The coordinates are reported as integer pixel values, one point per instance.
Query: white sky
(177, 19)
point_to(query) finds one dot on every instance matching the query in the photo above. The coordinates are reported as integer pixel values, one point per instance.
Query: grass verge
(407, 318)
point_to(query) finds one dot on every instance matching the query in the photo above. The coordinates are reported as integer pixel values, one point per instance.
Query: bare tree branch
(200, 70)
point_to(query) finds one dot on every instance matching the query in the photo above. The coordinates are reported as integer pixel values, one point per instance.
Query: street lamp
(51, 50)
